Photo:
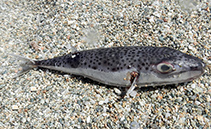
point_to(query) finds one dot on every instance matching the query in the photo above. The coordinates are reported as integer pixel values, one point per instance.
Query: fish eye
(165, 67)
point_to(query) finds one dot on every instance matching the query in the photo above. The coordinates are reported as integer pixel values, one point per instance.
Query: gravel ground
(44, 29)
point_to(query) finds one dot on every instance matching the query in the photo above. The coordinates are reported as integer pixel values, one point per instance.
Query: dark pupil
(165, 68)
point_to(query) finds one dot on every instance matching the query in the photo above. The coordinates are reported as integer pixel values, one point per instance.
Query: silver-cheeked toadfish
(126, 66)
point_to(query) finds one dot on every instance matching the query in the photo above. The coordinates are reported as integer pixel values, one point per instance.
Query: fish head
(173, 70)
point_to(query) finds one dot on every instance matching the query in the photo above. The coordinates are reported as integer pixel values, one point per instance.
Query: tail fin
(27, 64)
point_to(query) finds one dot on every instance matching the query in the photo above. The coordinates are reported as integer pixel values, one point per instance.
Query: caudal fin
(27, 64)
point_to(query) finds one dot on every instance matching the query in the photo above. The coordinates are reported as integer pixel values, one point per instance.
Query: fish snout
(198, 67)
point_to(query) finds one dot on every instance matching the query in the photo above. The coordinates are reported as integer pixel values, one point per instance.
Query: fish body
(114, 66)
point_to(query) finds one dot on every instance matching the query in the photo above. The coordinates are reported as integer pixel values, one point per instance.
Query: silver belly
(119, 78)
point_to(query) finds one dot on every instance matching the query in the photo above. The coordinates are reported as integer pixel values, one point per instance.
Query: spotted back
(120, 58)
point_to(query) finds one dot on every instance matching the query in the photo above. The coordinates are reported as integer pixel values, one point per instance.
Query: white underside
(121, 78)
(109, 78)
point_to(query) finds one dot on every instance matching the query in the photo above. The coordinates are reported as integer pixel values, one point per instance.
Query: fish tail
(27, 64)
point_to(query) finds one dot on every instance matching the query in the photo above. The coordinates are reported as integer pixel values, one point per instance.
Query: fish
(130, 66)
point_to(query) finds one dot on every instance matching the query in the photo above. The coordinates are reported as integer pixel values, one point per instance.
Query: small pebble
(117, 91)
(15, 107)
(193, 86)
(33, 88)
(88, 120)
(101, 102)
(134, 125)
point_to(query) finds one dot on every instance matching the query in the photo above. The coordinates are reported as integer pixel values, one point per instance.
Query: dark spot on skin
(58, 64)
(94, 67)
(109, 64)
(113, 69)
(143, 64)
(147, 68)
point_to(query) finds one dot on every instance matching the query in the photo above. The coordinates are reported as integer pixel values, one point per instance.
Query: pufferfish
(126, 66)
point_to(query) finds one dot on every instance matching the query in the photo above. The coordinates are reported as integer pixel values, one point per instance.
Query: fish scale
(123, 66)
